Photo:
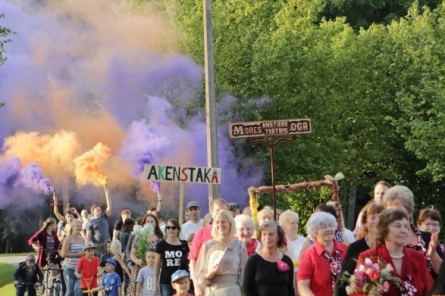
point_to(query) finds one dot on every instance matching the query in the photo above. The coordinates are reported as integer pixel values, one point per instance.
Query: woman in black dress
(269, 272)
(365, 241)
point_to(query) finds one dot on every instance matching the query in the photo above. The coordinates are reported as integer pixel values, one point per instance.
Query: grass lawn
(6, 286)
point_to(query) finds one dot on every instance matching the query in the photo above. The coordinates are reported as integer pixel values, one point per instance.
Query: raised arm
(109, 208)
(159, 202)
(56, 208)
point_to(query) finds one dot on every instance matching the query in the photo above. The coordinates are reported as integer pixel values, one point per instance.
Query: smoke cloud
(107, 75)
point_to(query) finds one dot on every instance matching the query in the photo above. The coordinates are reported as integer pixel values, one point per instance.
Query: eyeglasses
(432, 224)
(172, 227)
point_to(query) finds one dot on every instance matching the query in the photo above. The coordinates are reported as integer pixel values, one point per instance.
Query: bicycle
(28, 289)
(52, 281)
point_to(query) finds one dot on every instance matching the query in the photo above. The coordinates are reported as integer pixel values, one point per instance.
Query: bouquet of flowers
(370, 278)
(141, 233)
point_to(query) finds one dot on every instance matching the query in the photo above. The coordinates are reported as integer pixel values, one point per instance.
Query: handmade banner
(182, 174)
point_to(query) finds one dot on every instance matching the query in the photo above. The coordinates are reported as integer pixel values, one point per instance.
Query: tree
(4, 32)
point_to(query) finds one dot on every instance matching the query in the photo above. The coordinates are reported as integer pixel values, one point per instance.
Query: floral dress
(131, 291)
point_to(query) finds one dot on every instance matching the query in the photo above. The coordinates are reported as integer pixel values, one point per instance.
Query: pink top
(201, 237)
(313, 266)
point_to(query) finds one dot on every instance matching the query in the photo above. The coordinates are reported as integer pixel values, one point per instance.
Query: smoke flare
(87, 166)
(32, 177)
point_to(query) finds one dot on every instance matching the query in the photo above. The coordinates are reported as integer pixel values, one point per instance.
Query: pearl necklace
(397, 256)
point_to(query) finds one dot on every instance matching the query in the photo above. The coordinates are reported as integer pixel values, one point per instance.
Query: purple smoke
(32, 177)
(10, 172)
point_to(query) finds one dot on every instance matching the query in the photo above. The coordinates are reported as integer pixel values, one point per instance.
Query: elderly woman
(269, 271)
(152, 241)
(365, 241)
(221, 261)
(429, 220)
(289, 222)
(266, 214)
(320, 265)
(401, 197)
(408, 265)
(244, 232)
(339, 235)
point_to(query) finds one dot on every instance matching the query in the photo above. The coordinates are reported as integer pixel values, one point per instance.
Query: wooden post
(212, 132)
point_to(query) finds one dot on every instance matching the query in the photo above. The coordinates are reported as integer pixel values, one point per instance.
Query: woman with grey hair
(245, 226)
(320, 265)
(269, 271)
(401, 197)
(221, 261)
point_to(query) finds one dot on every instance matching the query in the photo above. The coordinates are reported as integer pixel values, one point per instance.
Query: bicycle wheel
(57, 289)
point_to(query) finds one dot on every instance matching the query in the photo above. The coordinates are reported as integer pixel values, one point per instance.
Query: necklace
(397, 256)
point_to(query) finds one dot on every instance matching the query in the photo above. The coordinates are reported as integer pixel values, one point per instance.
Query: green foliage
(376, 95)
(4, 32)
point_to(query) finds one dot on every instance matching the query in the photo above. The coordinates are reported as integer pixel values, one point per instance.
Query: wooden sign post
(181, 175)
(287, 129)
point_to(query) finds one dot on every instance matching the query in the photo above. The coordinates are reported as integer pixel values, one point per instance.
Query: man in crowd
(125, 213)
(98, 230)
(195, 221)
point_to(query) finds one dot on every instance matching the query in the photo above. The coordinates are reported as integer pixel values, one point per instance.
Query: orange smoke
(54, 153)
(87, 166)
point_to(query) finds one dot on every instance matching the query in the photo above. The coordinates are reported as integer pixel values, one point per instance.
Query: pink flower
(282, 266)
(385, 286)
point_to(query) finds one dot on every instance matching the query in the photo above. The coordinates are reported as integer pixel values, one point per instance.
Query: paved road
(14, 260)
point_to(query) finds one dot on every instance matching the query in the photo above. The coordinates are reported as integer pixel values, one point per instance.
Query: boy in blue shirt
(111, 281)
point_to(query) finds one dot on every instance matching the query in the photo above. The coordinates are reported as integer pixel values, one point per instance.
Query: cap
(233, 205)
(109, 260)
(179, 274)
(89, 246)
(193, 204)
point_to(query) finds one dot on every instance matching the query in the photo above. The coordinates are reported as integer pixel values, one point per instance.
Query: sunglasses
(172, 227)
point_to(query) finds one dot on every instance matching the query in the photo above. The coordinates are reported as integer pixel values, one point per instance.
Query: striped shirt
(74, 247)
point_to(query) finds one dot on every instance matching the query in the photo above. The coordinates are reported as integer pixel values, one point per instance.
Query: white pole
(212, 133)
(181, 202)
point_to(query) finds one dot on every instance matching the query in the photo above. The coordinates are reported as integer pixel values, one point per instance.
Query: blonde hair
(266, 211)
(228, 215)
(244, 219)
(287, 217)
(70, 226)
(116, 247)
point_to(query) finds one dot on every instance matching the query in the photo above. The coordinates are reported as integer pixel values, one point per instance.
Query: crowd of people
(228, 253)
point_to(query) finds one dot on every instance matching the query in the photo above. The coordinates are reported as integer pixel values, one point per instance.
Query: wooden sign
(270, 128)
(182, 174)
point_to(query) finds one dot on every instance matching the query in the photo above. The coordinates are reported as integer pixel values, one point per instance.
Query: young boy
(181, 283)
(28, 275)
(111, 281)
(88, 269)
(146, 275)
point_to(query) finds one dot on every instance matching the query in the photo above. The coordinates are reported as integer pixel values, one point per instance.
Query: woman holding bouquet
(320, 265)
(139, 246)
(221, 260)
(365, 241)
(401, 197)
(269, 272)
(407, 271)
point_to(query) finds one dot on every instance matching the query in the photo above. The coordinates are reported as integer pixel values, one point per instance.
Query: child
(107, 254)
(28, 275)
(146, 275)
(88, 268)
(181, 283)
(111, 281)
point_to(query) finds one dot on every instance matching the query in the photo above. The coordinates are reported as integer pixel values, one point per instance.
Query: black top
(173, 257)
(20, 274)
(439, 287)
(349, 263)
(262, 278)
(118, 224)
